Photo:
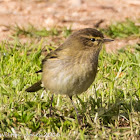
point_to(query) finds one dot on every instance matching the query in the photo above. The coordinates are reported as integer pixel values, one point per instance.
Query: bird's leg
(75, 109)
(51, 106)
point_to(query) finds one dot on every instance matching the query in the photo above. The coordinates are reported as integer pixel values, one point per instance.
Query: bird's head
(86, 38)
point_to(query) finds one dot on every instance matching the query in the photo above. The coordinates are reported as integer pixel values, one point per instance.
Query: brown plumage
(72, 67)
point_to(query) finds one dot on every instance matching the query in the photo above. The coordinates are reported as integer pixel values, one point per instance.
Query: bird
(72, 67)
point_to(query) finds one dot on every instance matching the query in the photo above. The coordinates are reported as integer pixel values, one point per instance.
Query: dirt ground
(75, 13)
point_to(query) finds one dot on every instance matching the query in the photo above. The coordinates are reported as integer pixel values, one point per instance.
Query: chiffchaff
(72, 67)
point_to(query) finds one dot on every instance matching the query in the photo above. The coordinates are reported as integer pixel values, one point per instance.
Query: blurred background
(70, 13)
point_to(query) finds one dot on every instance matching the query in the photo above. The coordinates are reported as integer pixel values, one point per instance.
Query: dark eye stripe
(93, 39)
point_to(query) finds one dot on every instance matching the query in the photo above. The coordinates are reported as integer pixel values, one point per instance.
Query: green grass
(123, 29)
(110, 109)
(32, 32)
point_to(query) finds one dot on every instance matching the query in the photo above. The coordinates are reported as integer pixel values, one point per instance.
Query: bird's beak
(107, 40)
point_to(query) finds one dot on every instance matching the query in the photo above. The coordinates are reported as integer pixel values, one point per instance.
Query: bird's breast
(69, 76)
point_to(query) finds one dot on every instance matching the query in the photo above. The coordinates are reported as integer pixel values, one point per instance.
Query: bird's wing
(51, 55)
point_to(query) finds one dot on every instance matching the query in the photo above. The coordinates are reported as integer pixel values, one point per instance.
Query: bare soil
(60, 13)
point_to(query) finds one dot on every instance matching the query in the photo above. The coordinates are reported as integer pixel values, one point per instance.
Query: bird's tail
(35, 87)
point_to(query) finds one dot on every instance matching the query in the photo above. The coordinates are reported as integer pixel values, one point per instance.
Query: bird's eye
(93, 39)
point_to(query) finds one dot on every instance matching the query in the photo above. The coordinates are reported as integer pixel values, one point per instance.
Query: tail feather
(35, 87)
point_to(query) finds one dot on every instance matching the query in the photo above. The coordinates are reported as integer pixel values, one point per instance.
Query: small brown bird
(72, 67)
